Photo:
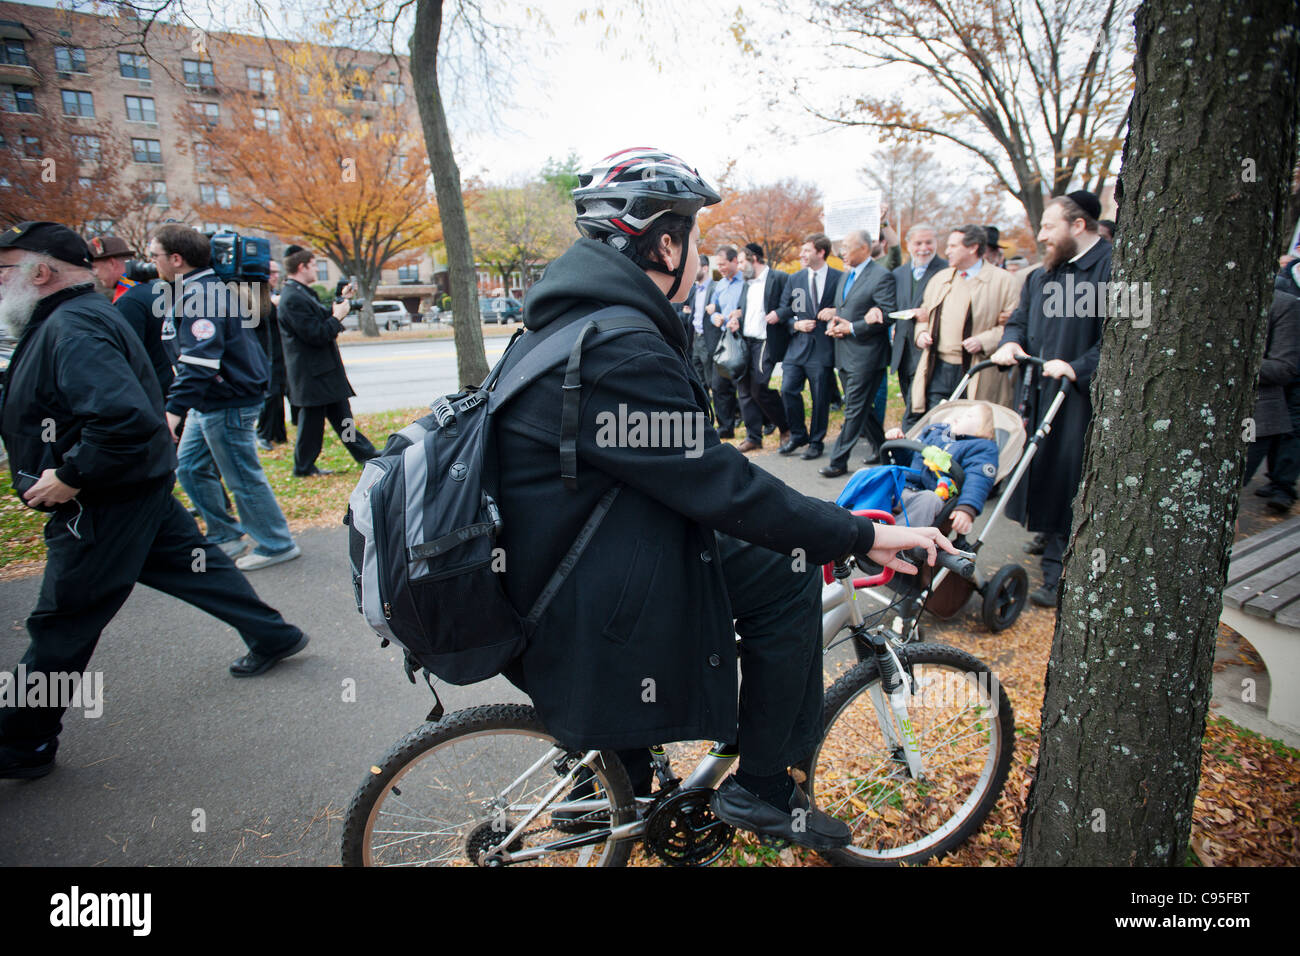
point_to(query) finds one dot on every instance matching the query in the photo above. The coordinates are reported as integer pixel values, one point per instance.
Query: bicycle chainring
(682, 830)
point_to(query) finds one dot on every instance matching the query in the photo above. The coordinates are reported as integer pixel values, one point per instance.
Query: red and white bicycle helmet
(621, 197)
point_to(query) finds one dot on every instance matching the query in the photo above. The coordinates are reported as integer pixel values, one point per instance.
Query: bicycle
(917, 744)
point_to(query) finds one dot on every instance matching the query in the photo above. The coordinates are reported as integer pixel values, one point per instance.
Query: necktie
(848, 283)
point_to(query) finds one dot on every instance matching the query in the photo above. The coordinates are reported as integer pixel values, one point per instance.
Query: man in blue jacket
(221, 385)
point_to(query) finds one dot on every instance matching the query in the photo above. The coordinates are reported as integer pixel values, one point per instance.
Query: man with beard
(83, 421)
(1059, 320)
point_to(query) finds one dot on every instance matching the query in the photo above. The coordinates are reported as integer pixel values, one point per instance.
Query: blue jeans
(221, 444)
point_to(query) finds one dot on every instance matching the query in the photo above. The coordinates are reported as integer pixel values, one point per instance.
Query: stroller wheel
(1005, 596)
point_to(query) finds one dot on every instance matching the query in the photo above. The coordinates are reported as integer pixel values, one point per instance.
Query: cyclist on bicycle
(638, 646)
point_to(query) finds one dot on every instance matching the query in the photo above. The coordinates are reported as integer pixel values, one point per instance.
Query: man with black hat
(1059, 319)
(993, 250)
(82, 419)
(135, 299)
(109, 256)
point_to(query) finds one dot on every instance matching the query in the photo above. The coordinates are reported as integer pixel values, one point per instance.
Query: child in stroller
(969, 440)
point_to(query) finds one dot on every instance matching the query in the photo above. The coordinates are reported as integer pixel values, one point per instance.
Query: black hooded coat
(638, 646)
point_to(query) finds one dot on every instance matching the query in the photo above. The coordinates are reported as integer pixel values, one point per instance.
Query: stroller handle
(912, 445)
(1022, 360)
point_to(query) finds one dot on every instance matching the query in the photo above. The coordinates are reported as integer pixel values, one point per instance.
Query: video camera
(241, 257)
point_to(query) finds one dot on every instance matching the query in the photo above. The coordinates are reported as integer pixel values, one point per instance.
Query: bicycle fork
(890, 696)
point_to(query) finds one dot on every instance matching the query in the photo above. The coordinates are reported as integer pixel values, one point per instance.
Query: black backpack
(423, 518)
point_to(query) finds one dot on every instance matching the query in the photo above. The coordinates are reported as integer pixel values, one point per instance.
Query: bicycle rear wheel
(964, 728)
(450, 792)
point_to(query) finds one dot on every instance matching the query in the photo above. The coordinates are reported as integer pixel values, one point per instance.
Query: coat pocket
(636, 588)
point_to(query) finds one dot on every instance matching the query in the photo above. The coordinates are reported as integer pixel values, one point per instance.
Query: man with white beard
(82, 420)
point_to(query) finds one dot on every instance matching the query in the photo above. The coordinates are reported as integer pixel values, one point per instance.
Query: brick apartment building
(87, 69)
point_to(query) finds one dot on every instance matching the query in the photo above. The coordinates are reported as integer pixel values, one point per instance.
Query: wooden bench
(1262, 603)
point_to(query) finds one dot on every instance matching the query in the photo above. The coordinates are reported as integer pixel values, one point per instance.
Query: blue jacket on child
(977, 456)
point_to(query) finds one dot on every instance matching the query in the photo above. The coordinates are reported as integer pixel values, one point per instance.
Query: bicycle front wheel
(962, 724)
(453, 791)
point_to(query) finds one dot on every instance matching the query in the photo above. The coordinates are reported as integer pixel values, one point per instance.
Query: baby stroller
(943, 594)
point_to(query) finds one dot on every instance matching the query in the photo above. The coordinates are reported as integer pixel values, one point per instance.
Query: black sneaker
(250, 665)
(1279, 502)
(18, 763)
(1037, 546)
(801, 823)
(1044, 596)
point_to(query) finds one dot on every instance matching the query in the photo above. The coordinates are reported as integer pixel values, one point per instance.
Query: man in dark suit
(700, 331)
(859, 323)
(910, 280)
(318, 385)
(810, 355)
(757, 320)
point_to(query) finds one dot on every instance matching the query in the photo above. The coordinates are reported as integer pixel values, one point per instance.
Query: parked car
(500, 309)
(389, 314)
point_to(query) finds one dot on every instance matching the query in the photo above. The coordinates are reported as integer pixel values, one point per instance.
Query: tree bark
(1203, 185)
(471, 360)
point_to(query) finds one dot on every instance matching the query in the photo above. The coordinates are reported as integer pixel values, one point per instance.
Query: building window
(99, 227)
(140, 109)
(13, 52)
(198, 73)
(70, 59)
(17, 99)
(323, 270)
(260, 80)
(358, 91)
(85, 182)
(210, 112)
(408, 275)
(157, 193)
(267, 120)
(133, 66)
(76, 103)
(218, 195)
(146, 150)
(31, 146)
(304, 84)
(394, 94)
(202, 157)
(86, 148)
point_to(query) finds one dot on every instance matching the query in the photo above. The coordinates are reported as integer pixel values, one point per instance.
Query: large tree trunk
(1206, 163)
(471, 360)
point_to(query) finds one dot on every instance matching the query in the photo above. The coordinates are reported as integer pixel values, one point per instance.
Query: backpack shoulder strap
(565, 346)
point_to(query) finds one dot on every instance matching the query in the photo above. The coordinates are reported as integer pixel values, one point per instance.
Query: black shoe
(17, 763)
(250, 665)
(1264, 491)
(811, 452)
(1037, 546)
(727, 433)
(769, 428)
(1279, 502)
(263, 444)
(872, 459)
(315, 472)
(793, 445)
(801, 823)
(833, 471)
(1044, 596)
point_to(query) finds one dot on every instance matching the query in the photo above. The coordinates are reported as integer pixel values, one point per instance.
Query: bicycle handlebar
(958, 564)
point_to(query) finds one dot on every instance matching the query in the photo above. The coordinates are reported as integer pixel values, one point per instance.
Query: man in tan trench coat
(959, 324)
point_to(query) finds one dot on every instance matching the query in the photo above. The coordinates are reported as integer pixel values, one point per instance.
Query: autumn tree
(516, 227)
(1210, 149)
(777, 216)
(319, 157)
(1033, 91)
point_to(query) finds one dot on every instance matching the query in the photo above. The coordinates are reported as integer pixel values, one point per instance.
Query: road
(405, 374)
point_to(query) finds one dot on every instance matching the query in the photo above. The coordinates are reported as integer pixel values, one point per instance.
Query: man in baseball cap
(89, 446)
(109, 256)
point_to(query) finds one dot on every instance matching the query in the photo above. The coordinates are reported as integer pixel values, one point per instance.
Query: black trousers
(859, 420)
(270, 424)
(1053, 558)
(945, 379)
(95, 555)
(778, 618)
(759, 401)
(819, 378)
(311, 434)
(724, 401)
(702, 359)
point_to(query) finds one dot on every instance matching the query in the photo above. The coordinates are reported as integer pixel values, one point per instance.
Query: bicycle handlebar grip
(954, 563)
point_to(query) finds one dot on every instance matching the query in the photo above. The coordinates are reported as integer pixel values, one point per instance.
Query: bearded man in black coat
(1059, 320)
